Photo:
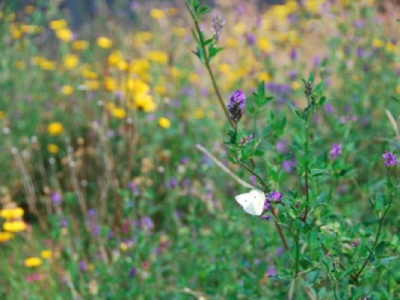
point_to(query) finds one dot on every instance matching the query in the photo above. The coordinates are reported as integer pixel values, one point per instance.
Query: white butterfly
(252, 202)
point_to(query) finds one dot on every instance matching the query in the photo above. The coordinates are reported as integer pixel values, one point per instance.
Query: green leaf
(311, 78)
(387, 260)
(296, 112)
(259, 153)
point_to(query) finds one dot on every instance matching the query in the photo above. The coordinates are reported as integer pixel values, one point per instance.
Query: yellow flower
(104, 42)
(157, 14)
(123, 247)
(47, 65)
(377, 43)
(137, 86)
(16, 33)
(398, 89)
(12, 213)
(64, 34)
(231, 43)
(32, 262)
(110, 84)
(67, 90)
(58, 24)
(118, 113)
(55, 128)
(296, 85)
(71, 61)
(193, 78)
(46, 254)
(263, 44)
(199, 114)
(29, 9)
(390, 47)
(179, 31)
(139, 66)
(264, 77)
(15, 226)
(2, 114)
(5, 237)
(53, 148)
(164, 122)
(158, 57)
(160, 89)
(92, 85)
(114, 58)
(80, 45)
(144, 102)
(20, 65)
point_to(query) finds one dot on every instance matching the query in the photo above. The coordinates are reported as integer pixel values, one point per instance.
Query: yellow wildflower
(55, 128)
(20, 65)
(158, 57)
(32, 262)
(377, 43)
(53, 148)
(160, 89)
(296, 85)
(67, 90)
(12, 213)
(46, 254)
(264, 77)
(193, 78)
(92, 85)
(29, 9)
(15, 226)
(164, 122)
(157, 14)
(5, 237)
(123, 247)
(80, 45)
(110, 84)
(264, 44)
(144, 102)
(58, 24)
(199, 114)
(2, 114)
(104, 42)
(179, 31)
(118, 113)
(71, 61)
(64, 34)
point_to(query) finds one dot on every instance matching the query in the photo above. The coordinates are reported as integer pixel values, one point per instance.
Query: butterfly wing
(252, 203)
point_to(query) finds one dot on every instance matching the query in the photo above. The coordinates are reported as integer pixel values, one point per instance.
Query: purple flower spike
(335, 151)
(236, 105)
(218, 25)
(390, 159)
(274, 197)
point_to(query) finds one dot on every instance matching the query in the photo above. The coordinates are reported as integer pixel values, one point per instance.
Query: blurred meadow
(119, 167)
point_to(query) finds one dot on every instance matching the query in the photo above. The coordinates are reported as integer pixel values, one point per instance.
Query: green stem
(210, 72)
(297, 259)
(378, 234)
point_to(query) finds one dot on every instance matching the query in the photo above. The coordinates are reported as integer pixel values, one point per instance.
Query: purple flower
(251, 39)
(271, 271)
(82, 265)
(172, 183)
(390, 159)
(288, 165)
(236, 105)
(282, 146)
(335, 151)
(328, 108)
(293, 54)
(56, 198)
(218, 25)
(274, 197)
(132, 272)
